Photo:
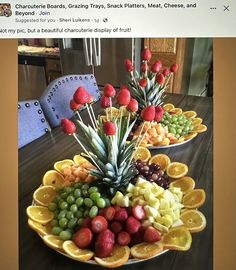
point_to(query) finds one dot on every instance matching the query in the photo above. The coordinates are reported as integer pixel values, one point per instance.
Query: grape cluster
(179, 125)
(152, 173)
(71, 205)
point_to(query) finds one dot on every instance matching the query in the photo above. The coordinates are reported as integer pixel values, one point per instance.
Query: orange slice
(78, 159)
(119, 256)
(176, 170)
(176, 111)
(53, 241)
(39, 228)
(201, 128)
(196, 121)
(76, 253)
(146, 250)
(194, 198)
(193, 220)
(178, 238)
(142, 153)
(189, 136)
(160, 159)
(169, 106)
(185, 183)
(53, 178)
(190, 114)
(39, 214)
(44, 195)
(62, 164)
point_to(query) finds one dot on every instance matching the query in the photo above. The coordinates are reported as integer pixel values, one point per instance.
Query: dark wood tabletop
(39, 156)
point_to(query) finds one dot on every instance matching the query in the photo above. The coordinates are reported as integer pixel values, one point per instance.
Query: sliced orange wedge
(77, 253)
(193, 220)
(176, 170)
(142, 153)
(194, 198)
(39, 214)
(146, 250)
(185, 183)
(161, 159)
(44, 195)
(53, 178)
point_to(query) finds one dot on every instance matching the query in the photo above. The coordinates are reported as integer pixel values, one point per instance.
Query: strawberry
(117, 207)
(106, 236)
(81, 96)
(103, 249)
(67, 126)
(159, 112)
(166, 72)
(86, 223)
(156, 66)
(128, 65)
(142, 230)
(123, 238)
(109, 213)
(101, 212)
(116, 227)
(133, 105)
(121, 215)
(174, 68)
(143, 83)
(132, 225)
(146, 54)
(109, 91)
(136, 238)
(99, 224)
(148, 113)
(151, 235)
(123, 96)
(109, 128)
(144, 67)
(105, 102)
(138, 212)
(90, 99)
(75, 106)
(160, 79)
(83, 237)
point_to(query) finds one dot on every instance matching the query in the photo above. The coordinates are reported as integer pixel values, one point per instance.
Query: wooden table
(39, 156)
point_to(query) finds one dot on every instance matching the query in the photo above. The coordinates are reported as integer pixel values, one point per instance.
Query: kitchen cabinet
(169, 51)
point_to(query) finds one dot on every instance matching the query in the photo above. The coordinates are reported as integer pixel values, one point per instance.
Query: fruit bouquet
(114, 204)
(172, 126)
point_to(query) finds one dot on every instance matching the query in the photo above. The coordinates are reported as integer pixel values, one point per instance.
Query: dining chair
(56, 97)
(32, 123)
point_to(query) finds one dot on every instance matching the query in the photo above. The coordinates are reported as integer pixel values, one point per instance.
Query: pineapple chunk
(154, 203)
(178, 223)
(160, 227)
(164, 204)
(168, 212)
(130, 188)
(167, 220)
(123, 201)
(130, 195)
(148, 196)
(156, 190)
(146, 223)
(151, 212)
(151, 219)
(136, 191)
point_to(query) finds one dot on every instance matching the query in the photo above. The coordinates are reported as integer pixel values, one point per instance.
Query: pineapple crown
(104, 142)
(148, 86)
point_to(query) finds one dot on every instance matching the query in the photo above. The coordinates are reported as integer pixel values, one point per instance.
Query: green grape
(93, 211)
(108, 203)
(191, 127)
(181, 122)
(94, 196)
(65, 235)
(62, 214)
(186, 129)
(52, 206)
(88, 202)
(85, 192)
(63, 195)
(73, 208)
(56, 199)
(101, 203)
(77, 193)
(63, 205)
(70, 199)
(77, 185)
(56, 230)
(179, 131)
(172, 130)
(86, 213)
(72, 223)
(54, 222)
(92, 190)
(85, 187)
(78, 214)
(174, 119)
(63, 222)
(166, 122)
(79, 201)
(177, 136)
(80, 220)
(55, 213)
(69, 215)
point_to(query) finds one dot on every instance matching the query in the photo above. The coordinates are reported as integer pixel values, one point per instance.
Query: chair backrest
(56, 98)
(31, 122)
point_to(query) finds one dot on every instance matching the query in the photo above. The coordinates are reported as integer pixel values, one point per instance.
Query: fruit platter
(115, 203)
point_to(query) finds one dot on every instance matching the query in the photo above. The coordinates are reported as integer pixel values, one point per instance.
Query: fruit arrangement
(115, 202)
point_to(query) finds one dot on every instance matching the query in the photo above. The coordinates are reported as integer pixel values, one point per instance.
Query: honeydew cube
(169, 212)
(150, 211)
(164, 204)
(175, 190)
(178, 223)
(180, 196)
(160, 227)
(154, 203)
(167, 220)
(177, 214)
(176, 198)
(168, 196)
(148, 196)
(130, 188)
(176, 206)
(157, 190)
